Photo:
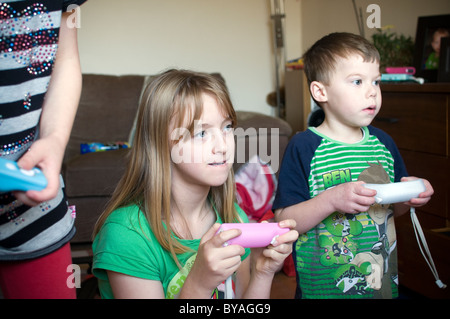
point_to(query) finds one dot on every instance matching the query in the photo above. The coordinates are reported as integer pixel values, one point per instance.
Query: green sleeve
(122, 249)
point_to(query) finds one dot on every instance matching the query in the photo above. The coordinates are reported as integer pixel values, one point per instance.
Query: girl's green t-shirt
(126, 244)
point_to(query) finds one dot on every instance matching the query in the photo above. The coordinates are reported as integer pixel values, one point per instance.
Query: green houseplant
(395, 50)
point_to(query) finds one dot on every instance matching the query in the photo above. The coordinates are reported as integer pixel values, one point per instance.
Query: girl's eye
(357, 82)
(376, 82)
(200, 134)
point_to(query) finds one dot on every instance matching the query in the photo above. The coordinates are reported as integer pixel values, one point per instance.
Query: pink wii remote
(253, 234)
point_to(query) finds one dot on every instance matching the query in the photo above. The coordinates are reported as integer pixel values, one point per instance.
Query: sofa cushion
(94, 174)
(88, 211)
(106, 111)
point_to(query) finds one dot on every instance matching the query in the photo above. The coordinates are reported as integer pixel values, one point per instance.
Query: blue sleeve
(399, 165)
(293, 186)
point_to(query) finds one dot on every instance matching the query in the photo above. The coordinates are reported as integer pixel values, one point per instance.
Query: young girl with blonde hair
(157, 237)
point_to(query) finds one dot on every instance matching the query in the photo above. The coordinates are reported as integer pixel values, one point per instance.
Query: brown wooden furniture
(417, 118)
(298, 104)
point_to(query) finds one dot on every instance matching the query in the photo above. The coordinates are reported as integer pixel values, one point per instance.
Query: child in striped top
(347, 246)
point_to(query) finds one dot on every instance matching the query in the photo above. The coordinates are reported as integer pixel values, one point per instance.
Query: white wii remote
(397, 192)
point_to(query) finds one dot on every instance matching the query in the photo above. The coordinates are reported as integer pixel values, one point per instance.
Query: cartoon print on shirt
(360, 273)
(383, 217)
(337, 250)
(352, 279)
(339, 224)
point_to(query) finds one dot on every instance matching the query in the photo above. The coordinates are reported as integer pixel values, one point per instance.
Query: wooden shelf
(416, 87)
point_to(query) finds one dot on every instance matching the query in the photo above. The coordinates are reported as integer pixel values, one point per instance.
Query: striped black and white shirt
(29, 33)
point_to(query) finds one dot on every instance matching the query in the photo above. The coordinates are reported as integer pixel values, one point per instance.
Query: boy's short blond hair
(320, 59)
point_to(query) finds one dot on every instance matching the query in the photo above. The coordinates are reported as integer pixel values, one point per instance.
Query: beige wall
(320, 17)
(233, 37)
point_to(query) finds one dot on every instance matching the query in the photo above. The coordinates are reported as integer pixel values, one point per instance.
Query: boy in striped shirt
(347, 246)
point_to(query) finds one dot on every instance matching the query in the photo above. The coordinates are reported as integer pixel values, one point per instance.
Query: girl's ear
(318, 91)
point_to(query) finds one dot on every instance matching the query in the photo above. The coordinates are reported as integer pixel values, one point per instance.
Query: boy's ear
(318, 91)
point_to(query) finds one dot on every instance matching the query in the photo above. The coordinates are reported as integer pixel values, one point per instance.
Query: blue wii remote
(13, 178)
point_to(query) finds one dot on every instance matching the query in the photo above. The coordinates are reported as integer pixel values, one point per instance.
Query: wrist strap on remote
(420, 236)
(229, 288)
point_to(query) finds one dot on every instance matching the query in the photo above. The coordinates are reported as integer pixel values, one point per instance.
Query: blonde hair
(175, 95)
(320, 59)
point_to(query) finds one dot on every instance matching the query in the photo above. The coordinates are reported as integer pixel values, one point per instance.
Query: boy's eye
(228, 127)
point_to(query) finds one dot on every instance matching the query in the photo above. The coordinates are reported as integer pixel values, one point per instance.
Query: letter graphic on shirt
(337, 177)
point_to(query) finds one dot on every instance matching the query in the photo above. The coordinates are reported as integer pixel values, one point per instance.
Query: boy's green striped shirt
(346, 255)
